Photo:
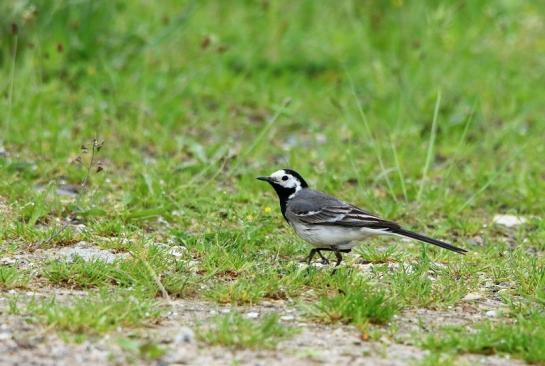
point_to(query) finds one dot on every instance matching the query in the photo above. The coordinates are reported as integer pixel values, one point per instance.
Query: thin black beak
(266, 179)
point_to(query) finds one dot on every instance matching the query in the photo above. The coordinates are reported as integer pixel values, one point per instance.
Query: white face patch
(286, 180)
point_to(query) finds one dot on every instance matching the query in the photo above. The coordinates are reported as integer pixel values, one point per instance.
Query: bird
(329, 224)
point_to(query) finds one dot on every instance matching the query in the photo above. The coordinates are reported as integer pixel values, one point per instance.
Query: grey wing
(335, 212)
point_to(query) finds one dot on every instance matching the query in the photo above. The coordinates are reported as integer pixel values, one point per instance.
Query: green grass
(11, 277)
(437, 358)
(235, 331)
(523, 338)
(371, 254)
(95, 314)
(136, 349)
(430, 114)
(357, 304)
(79, 273)
(138, 273)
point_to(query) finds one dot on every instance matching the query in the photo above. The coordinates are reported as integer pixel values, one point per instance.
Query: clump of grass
(235, 331)
(524, 338)
(145, 350)
(263, 283)
(412, 285)
(358, 304)
(96, 314)
(428, 285)
(242, 291)
(79, 273)
(438, 358)
(131, 273)
(529, 274)
(370, 254)
(24, 234)
(12, 277)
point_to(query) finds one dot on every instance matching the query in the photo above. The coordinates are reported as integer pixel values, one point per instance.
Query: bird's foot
(324, 260)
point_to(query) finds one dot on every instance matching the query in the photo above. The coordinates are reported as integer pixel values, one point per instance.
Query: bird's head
(285, 182)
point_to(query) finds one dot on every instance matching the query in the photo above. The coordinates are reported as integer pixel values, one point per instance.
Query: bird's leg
(339, 257)
(324, 259)
(310, 255)
(339, 260)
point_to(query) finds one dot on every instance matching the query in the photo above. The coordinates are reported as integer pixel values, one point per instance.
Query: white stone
(8, 260)
(252, 315)
(508, 220)
(88, 253)
(472, 296)
(491, 313)
(177, 252)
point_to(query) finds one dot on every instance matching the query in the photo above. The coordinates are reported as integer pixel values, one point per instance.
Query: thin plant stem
(372, 140)
(399, 171)
(12, 83)
(431, 145)
(83, 186)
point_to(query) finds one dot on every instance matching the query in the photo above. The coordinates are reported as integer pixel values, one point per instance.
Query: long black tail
(439, 243)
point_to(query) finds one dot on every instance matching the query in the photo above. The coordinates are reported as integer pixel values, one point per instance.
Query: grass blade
(431, 145)
(384, 171)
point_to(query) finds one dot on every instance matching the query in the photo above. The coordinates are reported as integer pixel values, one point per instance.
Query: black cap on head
(296, 175)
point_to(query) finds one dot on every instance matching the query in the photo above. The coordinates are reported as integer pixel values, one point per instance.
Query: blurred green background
(433, 107)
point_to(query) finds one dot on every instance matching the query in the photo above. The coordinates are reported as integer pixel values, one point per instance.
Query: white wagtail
(329, 224)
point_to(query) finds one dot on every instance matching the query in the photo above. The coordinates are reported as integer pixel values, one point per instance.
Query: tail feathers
(439, 243)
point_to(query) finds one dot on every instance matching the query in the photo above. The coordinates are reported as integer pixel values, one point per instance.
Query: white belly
(325, 236)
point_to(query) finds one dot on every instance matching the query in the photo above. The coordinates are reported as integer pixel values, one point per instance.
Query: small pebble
(252, 315)
(472, 296)
(491, 313)
(185, 335)
(508, 220)
(177, 252)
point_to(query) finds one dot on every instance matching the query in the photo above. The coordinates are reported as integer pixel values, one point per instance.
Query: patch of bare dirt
(83, 250)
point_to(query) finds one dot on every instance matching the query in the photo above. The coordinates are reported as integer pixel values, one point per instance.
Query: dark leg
(324, 259)
(315, 251)
(339, 257)
(310, 255)
(339, 260)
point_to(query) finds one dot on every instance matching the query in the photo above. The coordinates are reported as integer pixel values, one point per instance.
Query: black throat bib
(283, 196)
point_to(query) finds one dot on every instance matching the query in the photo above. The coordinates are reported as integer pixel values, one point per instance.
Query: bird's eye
(285, 177)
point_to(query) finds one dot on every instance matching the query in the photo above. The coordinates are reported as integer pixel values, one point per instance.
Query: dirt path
(23, 343)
